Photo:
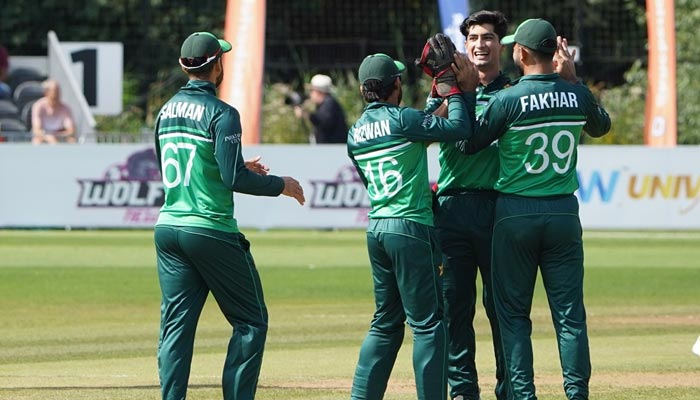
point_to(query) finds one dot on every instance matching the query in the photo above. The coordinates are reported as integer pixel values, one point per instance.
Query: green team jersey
(538, 124)
(388, 146)
(198, 145)
(473, 172)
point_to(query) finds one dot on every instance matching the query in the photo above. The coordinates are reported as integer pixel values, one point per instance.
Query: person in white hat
(328, 120)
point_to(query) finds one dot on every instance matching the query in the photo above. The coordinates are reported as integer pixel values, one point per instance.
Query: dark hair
(375, 90)
(541, 56)
(495, 18)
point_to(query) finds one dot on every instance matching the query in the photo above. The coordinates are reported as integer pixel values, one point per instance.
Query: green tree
(626, 103)
(687, 20)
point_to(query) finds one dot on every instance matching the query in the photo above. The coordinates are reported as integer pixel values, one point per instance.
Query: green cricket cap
(536, 34)
(380, 67)
(201, 48)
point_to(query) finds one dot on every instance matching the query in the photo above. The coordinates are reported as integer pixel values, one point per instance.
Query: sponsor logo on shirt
(428, 120)
(235, 138)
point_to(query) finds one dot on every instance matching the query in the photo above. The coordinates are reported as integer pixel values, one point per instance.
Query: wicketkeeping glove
(445, 84)
(438, 54)
(436, 58)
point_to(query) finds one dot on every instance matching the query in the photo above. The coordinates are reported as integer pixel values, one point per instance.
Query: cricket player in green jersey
(198, 245)
(464, 217)
(538, 123)
(388, 146)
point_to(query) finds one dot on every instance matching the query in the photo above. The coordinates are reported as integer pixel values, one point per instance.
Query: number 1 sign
(98, 68)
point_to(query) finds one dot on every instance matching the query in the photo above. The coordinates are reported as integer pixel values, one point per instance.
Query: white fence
(117, 186)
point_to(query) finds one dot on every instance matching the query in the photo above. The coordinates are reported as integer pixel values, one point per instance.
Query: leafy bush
(625, 104)
(688, 103)
(279, 124)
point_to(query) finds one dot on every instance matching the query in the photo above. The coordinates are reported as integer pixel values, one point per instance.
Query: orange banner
(660, 117)
(243, 65)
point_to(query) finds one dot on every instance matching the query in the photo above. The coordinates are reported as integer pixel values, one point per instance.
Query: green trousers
(545, 233)
(405, 270)
(191, 263)
(464, 225)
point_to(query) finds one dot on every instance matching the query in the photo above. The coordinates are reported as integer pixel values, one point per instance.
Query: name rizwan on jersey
(541, 101)
(182, 109)
(371, 130)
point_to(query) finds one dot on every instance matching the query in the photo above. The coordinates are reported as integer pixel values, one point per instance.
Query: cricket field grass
(79, 316)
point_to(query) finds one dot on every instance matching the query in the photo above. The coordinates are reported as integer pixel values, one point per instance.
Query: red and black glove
(438, 54)
(435, 60)
(445, 84)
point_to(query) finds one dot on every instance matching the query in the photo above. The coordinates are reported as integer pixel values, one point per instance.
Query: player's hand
(293, 189)
(563, 61)
(466, 73)
(256, 166)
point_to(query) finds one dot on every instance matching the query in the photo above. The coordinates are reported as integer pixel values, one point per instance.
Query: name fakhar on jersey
(371, 130)
(541, 101)
(182, 109)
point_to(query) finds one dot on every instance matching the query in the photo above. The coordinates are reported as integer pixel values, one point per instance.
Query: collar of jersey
(202, 86)
(540, 77)
(500, 80)
(377, 104)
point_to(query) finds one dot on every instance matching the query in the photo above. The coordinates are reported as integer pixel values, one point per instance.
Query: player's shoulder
(219, 108)
(408, 117)
(212, 101)
(385, 112)
(522, 86)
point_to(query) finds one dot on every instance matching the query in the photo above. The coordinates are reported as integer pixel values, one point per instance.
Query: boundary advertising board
(119, 186)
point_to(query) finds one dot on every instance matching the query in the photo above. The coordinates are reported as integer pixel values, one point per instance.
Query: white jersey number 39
(562, 163)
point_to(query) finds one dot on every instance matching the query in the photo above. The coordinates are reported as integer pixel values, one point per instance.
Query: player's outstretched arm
(293, 189)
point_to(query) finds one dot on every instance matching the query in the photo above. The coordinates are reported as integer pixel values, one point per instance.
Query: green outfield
(79, 314)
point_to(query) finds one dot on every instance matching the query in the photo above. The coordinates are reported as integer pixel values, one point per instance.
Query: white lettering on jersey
(371, 130)
(542, 101)
(183, 109)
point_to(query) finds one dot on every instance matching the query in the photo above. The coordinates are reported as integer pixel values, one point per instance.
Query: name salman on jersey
(371, 131)
(182, 109)
(548, 100)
